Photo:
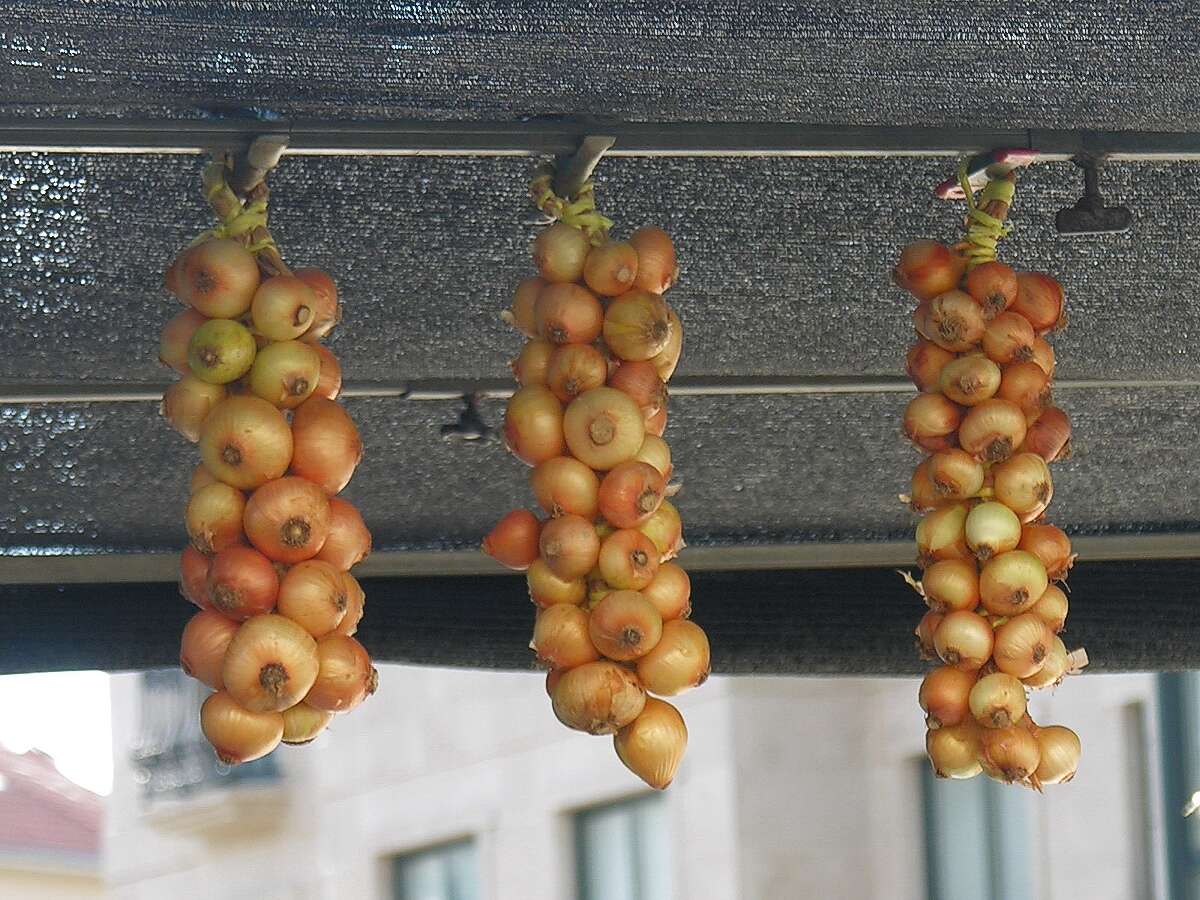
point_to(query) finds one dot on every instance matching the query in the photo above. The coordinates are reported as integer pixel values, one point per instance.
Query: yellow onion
(951, 585)
(1050, 544)
(214, 517)
(285, 373)
(560, 252)
(666, 360)
(1011, 751)
(175, 337)
(218, 278)
(611, 268)
(564, 485)
(329, 380)
(568, 314)
(533, 425)
(221, 351)
(665, 529)
(1012, 582)
(930, 421)
(270, 664)
(1043, 355)
(924, 633)
(326, 311)
(238, 735)
(992, 528)
(653, 744)
(1051, 608)
(624, 625)
(1009, 338)
(657, 267)
(513, 541)
(1040, 300)
(302, 723)
(356, 602)
(969, 380)
(569, 546)
(202, 648)
(945, 696)
(940, 535)
(923, 494)
(287, 519)
(598, 697)
(547, 589)
(532, 365)
(326, 445)
(927, 269)
(628, 560)
(924, 364)
(574, 369)
(993, 285)
(637, 325)
(656, 452)
(670, 591)
(603, 428)
(1059, 755)
(284, 307)
(678, 662)
(345, 677)
(964, 640)
(997, 700)
(349, 541)
(1021, 645)
(246, 442)
(956, 321)
(521, 315)
(956, 474)
(954, 752)
(1027, 385)
(1053, 668)
(560, 637)
(992, 430)
(1023, 484)
(1049, 436)
(187, 403)
(313, 595)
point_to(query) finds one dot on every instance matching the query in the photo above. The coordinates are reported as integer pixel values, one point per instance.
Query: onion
(1059, 755)
(956, 321)
(997, 700)
(992, 430)
(329, 380)
(940, 535)
(631, 493)
(1010, 752)
(533, 425)
(532, 365)
(1012, 582)
(1050, 544)
(603, 427)
(1023, 484)
(201, 477)
(522, 316)
(568, 314)
(202, 647)
(356, 601)
(637, 325)
(930, 421)
(564, 485)
(176, 335)
(923, 494)
(598, 697)
(513, 541)
(955, 474)
(667, 358)
(286, 373)
(924, 633)
(546, 589)
(657, 268)
(969, 380)
(927, 269)
(284, 308)
(313, 595)
(302, 723)
(1040, 300)
(628, 560)
(924, 365)
(670, 591)
(1053, 668)
(1051, 608)
(218, 278)
(944, 696)
(992, 528)
(665, 529)
(653, 744)
(1009, 338)
(193, 576)
(174, 272)
(657, 423)
(993, 285)
(187, 403)
(641, 382)
(624, 625)
(288, 519)
(560, 252)
(242, 583)
(611, 268)
(1021, 645)
(1049, 436)
(1026, 385)
(1043, 355)
(345, 677)
(679, 661)
(238, 735)
(214, 518)
(964, 640)
(597, 588)
(656, 452)
(920, 322)
(246, 442)
(349, 541)
(574, 369)
(327, 448)
(954, 752)
(270, 665)
(560, 637)
(951, 585)
(326, 312)
(552, 679)
(221, 351)
(569, 545)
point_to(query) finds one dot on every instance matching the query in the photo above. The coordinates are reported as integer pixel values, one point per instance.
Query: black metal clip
(470, 425)
(1090, 215)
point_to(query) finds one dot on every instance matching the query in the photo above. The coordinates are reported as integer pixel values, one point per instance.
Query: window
(1179, 709)
(978, 839)
(623, 851)
(444, 872)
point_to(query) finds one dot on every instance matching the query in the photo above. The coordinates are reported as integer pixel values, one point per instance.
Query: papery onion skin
(193, 577)
(326, 445)
(1021, 645)
(956, 321)
(568, 314)
(313, 595)
(561, 638)
(631, 493)
(611, 268)
(1026, 385)
(349, 541)
(214, 517)
(270, 665)
(1049, 436)
(941, 535)
(657, 265)
(599, 697)
(242, 583)
(176, 335)
(923, 495)
(522, 315)
(1012, 582)
(628, 560)
(288, 519)
(930, 422)
(927, 269)
(532, 365)
(964, 640)
(991, 529)
(238, 735)
(302, 723)
(326, 310)
(653, 744)
(997, 700)
(1052, 608)
(221, 351)
(569, 546)
(560, 253)
(345, 677)
(625, 626)
(1023, 484)
(656, 425)
(533, 425)
(246, 442)
(924, 634)
(329, 381)
(1043, 355)
(603, 428)
(573, 369)
(1053, 669)
(637, 325)
(564, 485)
(955, 474)
(1040, 300)
(1059, 755)
(640, 380)
(285, 373)
(1052, 546)
(969, 380)
(513, 541)
(355, 604)
(283, 308)
(202, 647)
(945, 696)
(680, 661)
(187, 403)
(954, 751)
(1011, 751)
(665, 529)
(547, 589)
(1009, 338)
(993, 285)
(218, 278)
(993, 430)
(951, 584)
(656, 452)
(670, 591)
(924, 364)
(667, 359)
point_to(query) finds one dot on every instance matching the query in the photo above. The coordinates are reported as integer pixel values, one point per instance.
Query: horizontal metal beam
(502, 388)
(541, 137)
(133, 568)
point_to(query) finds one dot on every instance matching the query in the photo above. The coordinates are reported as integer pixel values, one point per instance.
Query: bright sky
(64, 714)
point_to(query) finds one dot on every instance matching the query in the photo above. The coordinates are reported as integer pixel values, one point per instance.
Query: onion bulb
(611, 268)
(971, 379)
(329, 377)
(598, 697)
(1021, 645)
(201, 477)
(670, 591)
(945, 696)
(993, 285)
(214, 517)
(238, 735)
(533, 425)
(193, 576)
(954, 752)
(569, 546)
(1040, 300)
(349, 541)
(666, 360)
(1023, 484)
(547, 589)
(327, 448)
(637, 325)
(964, 640)
(603, 427)
(657, 268)
(560, 253)
(992, 430)
(640, 381)
(924, 365)
(678, 662)
(245, 442)
(628, 560)
(631, 493)
(284, 307)
(513, 541)
(1050, 544)
(951, 585)
(665, 529)
(218, 278)
(532, 365)
(302, 723)
(326, 311)
(997, 700)
(1049, 436)
(923, 495)
(654, 450)
(1051, 608)
(1043, 355)
(221, 351)
(653, 744)
(574, 369)
(1053, 668)
(1009, 751)
(285, 373)
(270, 665)
(356, 601)
(1026, 385)
(187, 403)
(561, 638)
(924, 634)
(956, 474)
(522, 315)
(1012, 582)
(564, 485)
(992, 528)
(940, 535)
(1059, 755)
(930, 421)
(202, 648)
(1009, 338)
(624, 625)
(568, 314)
(657, 423)
(955, 321)
(242, 583)
(927, 269)
(288, 519)
(345, 677)
(176, 335)
(313, 595)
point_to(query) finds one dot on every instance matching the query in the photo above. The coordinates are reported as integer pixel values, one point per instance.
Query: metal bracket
(572, 172)
(470, 425)
(1090, 215)
(251, 167)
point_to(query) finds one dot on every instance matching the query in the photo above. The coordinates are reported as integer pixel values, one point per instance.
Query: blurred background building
(460, 785)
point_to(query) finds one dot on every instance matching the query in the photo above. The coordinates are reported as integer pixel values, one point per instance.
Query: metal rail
(540, 137)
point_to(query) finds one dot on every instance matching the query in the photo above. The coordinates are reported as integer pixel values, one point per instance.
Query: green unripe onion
(221, 351)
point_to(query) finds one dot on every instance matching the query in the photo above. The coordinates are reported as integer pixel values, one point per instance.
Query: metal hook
(470, 425)
(1090, 215)
(572, 172)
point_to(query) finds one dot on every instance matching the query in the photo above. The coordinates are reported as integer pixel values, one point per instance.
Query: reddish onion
(1049, 436)
(679, 661)
(284, 308)
(193, 576)
(955, 321)
(670, 591)
(513, 541)
(930, 421)
(327, 445)
(1040, 300)
(561, 639)
(628, 560)
(994, 287)
(603, 427)
(969, 380)
(202, 648)
(214, 517)
(246, 442)
(924, 365)
(547, 589)
(641, 382)
(657, 268)
(569, 545)
(349, 541)
(238, 735)
(944, 696)
(187, 403)
(1050, 544)
(1012, 582)
(653, 744)
(611, 268)
(242, 583)
(329, 381)
(955, 474)
(326, 311)
(218, 277)
(532, 365)
(533, 425)
(1008, 338)
(522, 315)
(313, 595)
(574, 369)
(631, 493)
(560, 252)
(992, 430)
(568, 314)
(176, 334)
(1023, 484)
(288, 519)
(927, 269)
(624, 625)
(964, 640)
(1026, 385)
(345, 677)
(598, 697)
(951, 585)
(270, 665)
